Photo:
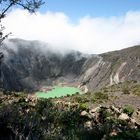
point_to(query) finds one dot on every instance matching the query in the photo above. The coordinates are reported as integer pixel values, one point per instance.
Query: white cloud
(90, 35)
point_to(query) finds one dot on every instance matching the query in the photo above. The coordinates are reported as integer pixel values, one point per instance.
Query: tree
(5, 6)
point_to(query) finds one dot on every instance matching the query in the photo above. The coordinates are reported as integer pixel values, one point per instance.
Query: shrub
(93, 99)
(105, 89)
(68, 95)
(131, 134)
(104, 113)
(81, 99)
(128, 110)
(101, 96)
(43, 104)
(77, 93)
(88, 93)
(126, 91)
(69, 118)
(83, 106)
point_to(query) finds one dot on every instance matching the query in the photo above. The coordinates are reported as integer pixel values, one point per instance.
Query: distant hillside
(112, 68)
(28, 65)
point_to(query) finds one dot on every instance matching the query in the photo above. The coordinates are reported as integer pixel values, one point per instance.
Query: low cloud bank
(90, 35)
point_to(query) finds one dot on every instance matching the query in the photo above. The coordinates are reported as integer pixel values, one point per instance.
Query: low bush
(81, 99)
(83, 106)
(101, 96)
(128, 110)
(131, 134)
(125, 91)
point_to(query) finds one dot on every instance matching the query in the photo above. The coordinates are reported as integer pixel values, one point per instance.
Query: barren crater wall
(28, 65)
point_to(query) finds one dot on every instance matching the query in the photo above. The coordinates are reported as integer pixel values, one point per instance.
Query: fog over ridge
(92, 35)
(38, 48)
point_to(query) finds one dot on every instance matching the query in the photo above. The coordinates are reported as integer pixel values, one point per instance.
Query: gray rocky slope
(29, 65)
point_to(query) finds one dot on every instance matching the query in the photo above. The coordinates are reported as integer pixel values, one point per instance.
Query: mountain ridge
(32, 64)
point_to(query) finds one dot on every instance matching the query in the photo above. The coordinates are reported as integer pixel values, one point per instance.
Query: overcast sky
(104, 27)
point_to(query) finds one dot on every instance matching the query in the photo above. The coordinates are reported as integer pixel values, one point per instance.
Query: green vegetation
(101, 96)
(58, 91)
(88, 98)
(81, 99)
(126, 91)
(131, 134)
(83, 106)
(128, 87)
(72, 117)
(128, 110)
(105, 113)
(23, 117)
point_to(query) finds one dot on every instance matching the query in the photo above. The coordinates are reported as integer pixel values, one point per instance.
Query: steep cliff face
(28, 65)
(112, 68)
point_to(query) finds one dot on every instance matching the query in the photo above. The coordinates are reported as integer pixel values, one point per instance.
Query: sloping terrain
(29, 65)
(32, 64)
(112, 68)
(111, 112)
(76, 117)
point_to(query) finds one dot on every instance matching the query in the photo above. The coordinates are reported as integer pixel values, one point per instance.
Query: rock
(133, 120)
(94, 110)
(136, 121)
(133, 123)
(115, 109)
(92, 113)
(10, 101)
(138, 113)
(88, 124)
(86, 89)
(113, 133)
(26, 100)
(84, 113)
(123, 116)
(67, 103)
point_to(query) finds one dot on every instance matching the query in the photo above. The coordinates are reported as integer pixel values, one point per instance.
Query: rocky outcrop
(111, 68)
(102, 114)
(29, 65)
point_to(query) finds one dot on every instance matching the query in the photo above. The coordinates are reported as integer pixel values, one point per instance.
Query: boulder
(113, 133)
(123, 116)
(84, 113)
(94, 110)
(115, 109)
(88, 124)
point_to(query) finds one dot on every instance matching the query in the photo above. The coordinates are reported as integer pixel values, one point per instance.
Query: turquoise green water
(58, 91)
